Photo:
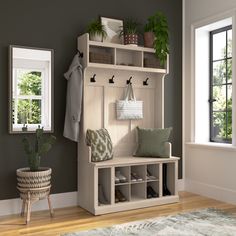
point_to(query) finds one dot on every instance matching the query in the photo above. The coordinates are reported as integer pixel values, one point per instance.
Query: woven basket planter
(131, 39)
(37, 182)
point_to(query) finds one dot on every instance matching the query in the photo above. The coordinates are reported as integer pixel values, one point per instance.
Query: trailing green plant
(159, 26)
(96, 27)
(130, 26)
(35, 150)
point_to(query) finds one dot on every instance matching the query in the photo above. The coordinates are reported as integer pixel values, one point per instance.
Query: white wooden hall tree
(99, 111)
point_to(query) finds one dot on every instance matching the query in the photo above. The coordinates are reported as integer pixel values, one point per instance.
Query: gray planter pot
(148, 39)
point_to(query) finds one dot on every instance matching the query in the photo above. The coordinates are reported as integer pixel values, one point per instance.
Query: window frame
(44, 107)
(211, 84)
(47, 57)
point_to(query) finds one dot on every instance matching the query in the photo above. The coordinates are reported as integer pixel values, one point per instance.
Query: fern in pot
(130, 32)
(156, 36)
(96, 31)
(34, 176)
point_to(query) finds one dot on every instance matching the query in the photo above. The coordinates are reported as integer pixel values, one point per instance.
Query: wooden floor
(75, 219)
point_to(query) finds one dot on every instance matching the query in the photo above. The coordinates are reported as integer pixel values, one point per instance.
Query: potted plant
(157, 35)
(96, 31)
(130, 32)
(34, 176)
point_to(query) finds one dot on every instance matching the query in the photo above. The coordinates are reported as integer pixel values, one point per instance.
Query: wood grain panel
(148, 98)
(93, 107)
(118, 129)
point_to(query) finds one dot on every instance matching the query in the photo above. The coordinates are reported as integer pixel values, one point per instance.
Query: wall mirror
(31, 89)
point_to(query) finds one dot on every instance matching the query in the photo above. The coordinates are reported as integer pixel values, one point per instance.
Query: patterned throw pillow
(101, 144)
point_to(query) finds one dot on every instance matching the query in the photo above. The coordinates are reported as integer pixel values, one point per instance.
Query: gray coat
(74, 97)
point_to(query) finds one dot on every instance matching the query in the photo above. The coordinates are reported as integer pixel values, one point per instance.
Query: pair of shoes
(151, 193)
(150, 176)
(119, 178)
(119, 197)
(135, 177)
(101, 196)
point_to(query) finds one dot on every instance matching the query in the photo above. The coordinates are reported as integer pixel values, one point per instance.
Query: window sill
(213, 146)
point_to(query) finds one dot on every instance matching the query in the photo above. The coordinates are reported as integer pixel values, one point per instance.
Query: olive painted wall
(56, 24)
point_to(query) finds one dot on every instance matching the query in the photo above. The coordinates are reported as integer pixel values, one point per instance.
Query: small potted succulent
(130, 32)
(157, 36)
(96, 31)
(35, 176)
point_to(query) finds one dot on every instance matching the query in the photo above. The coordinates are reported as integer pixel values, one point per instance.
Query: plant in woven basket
(130, 31)
(157, 26)
(35, 150)
(96, 30)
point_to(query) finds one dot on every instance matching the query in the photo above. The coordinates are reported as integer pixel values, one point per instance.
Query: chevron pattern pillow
(101, 144)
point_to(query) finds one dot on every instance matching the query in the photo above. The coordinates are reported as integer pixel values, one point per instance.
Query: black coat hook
(145, 82)
(80, 54)
(92, 79)
(111, 81)
(129, 80)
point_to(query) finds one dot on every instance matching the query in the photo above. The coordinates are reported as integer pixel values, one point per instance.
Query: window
(28, 93)
(221, 85)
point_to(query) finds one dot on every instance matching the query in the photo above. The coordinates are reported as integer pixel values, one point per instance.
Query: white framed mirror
(30, 89)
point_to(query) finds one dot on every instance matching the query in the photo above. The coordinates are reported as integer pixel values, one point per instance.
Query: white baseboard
(180, 185)
(59, 200)
(211, 191)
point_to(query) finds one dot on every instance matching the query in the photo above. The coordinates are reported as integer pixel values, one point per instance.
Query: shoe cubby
(151, 61)
(104, 186)
(138, 174)
(123, 175)
(152, 172)
(138, 191)
(123, 192)
(102, 55)
(129, 58)
(154, 189)
(169, 176)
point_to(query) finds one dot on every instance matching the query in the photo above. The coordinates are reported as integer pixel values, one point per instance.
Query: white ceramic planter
(96, 37)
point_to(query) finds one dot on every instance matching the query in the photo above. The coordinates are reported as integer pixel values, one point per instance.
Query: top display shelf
(119, 57)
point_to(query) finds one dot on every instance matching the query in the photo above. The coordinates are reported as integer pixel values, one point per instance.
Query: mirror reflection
(30, 89)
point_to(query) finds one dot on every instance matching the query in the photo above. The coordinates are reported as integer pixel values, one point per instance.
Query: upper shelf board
(84, 46)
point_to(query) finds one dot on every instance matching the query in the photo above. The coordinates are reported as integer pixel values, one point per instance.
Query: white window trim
(194, 27)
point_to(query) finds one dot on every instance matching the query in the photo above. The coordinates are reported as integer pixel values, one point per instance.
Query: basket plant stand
(30, 196)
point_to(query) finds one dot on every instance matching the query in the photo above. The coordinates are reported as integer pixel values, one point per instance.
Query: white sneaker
(120, 177)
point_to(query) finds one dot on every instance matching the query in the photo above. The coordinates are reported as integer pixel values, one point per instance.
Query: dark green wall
(56, 24)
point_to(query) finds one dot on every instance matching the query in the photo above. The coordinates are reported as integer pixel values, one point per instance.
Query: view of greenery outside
(29, 109)
(222, 93)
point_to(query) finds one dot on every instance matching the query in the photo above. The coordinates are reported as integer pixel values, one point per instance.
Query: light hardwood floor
(74, 219)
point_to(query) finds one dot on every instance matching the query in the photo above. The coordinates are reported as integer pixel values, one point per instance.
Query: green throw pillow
(151, 142)
(101, 144)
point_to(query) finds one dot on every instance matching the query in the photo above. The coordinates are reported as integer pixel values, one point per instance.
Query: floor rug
(207, 222)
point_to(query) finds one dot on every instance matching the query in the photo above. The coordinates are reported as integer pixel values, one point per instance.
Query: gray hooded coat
(74, 97)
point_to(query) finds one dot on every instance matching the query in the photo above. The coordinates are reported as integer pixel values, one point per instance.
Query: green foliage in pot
(130, 26)
(35, 150)
(159, 26)
(95, 27)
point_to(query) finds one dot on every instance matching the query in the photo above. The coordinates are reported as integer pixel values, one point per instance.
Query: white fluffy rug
(207, 222)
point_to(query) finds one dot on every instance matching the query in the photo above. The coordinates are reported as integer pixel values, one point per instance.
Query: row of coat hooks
(111, 80)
